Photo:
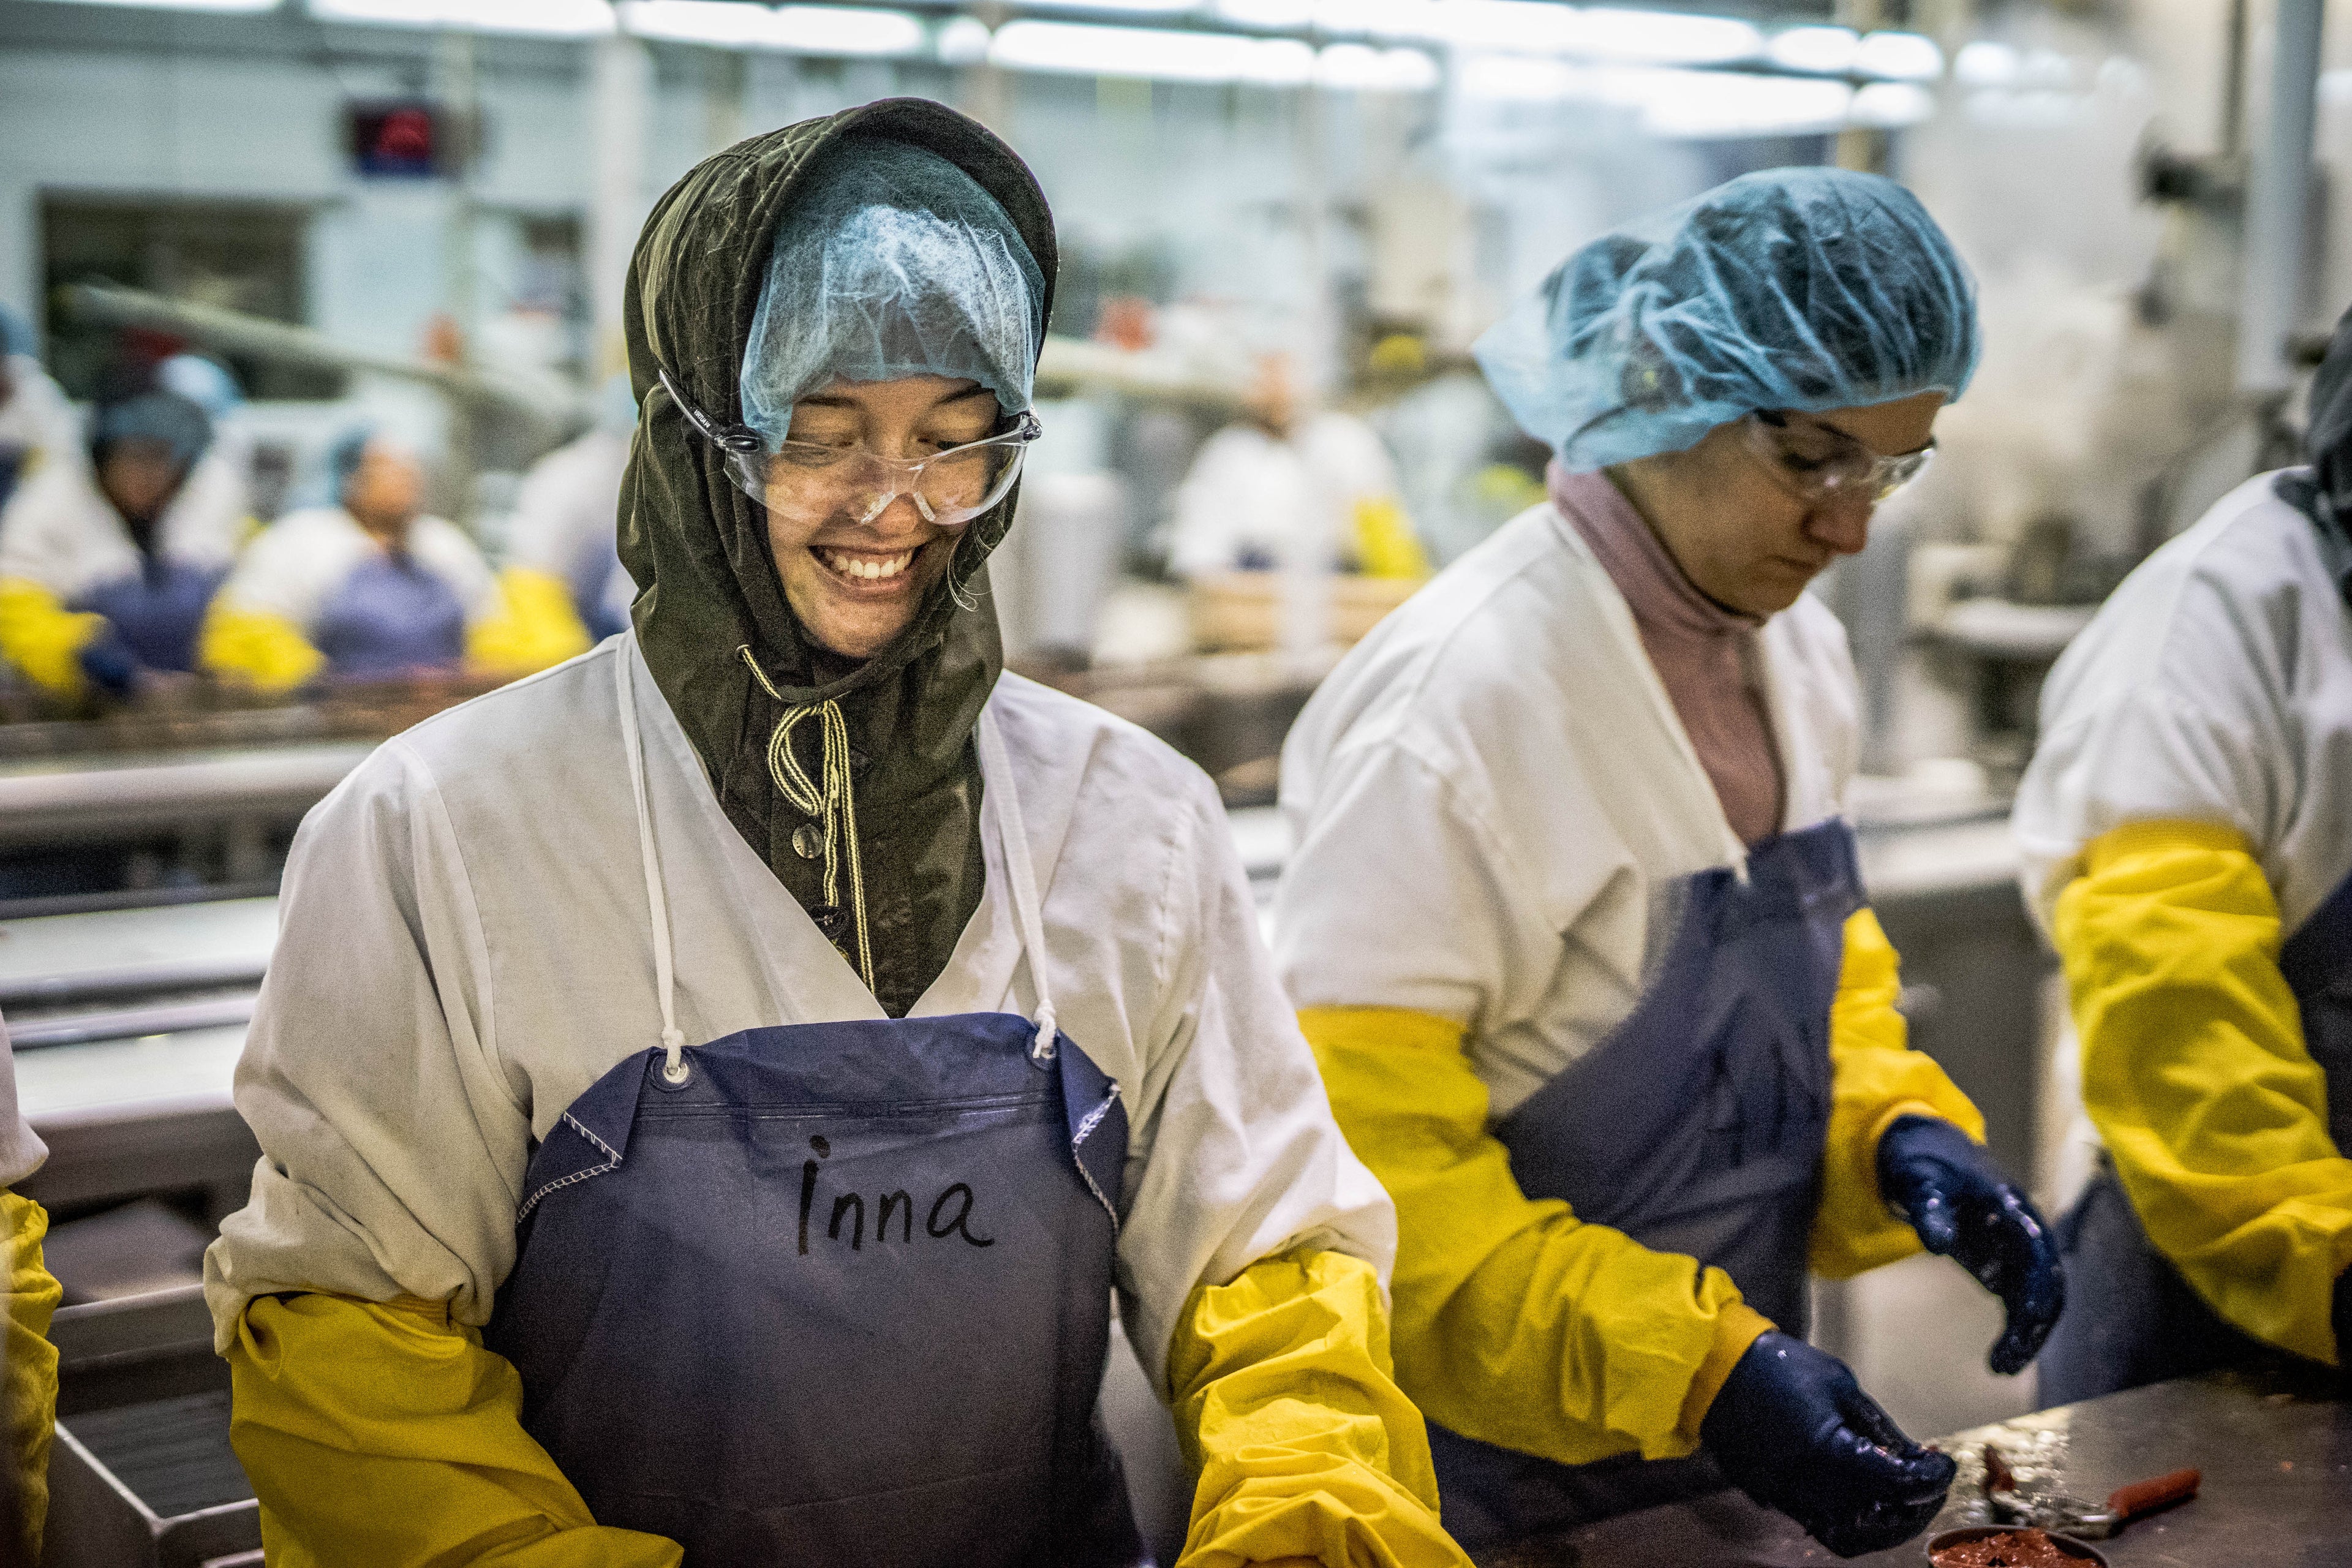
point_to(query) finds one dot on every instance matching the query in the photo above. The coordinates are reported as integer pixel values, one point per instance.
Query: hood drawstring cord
(828, 798)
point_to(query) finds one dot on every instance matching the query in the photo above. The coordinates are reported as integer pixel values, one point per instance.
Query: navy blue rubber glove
(1793, 1430)
(109, 664)
(1947, 1185)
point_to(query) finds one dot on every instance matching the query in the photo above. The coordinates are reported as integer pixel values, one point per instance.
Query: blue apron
(157, 610)
(2131, 1319)
(832, 1292)
(1696, 1126)
(391, 617)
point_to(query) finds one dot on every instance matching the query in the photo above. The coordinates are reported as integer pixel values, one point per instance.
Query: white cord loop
(1013, 835)
(828, 798)
(673, 1038)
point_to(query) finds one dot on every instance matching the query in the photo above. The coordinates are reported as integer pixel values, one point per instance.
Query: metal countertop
(2276, 1444)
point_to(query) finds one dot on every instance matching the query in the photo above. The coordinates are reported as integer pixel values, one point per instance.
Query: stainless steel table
(2276, 1444)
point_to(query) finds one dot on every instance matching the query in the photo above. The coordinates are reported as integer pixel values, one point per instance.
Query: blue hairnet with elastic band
(164, 418)
(1792, 290)
(893, 262)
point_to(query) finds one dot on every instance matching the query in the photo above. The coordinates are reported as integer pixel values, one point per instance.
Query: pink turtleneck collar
(1701, 652)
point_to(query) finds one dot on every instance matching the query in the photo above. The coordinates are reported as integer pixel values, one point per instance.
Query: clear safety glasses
(1819, 464)
(805, 480)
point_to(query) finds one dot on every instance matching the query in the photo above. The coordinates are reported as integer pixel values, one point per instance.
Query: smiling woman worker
(1574, 918)
(709, 1091)
(2186, 829)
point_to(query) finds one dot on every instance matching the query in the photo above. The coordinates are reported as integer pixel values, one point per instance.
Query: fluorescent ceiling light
(847, 30)
(1899, 57)
(1666, 37)
(1670, 103)
(1527, 26)
(1684, 104)
(217, 6)
(1829, 50)
(1380, 19)
(1361, 67)
(1986, 63)
(1158, 54)
(803, 29)
(1278, 16)
(963, 41)
(1522, 79)
(1139, 8)
(548, 19)
(725, 24)
(1892, 105)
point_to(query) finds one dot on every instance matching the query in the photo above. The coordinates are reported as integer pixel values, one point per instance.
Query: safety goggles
(811, 482)
(1819, 464)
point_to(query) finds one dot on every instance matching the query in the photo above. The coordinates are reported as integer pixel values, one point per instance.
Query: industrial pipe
(543, 402)
(2279, 203)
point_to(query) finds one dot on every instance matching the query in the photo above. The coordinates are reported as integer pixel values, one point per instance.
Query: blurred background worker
(35, 418)
(561, 581)
(28, 1362)
(107, 566)
(1575, 920)
(370, 587)
(2187, 836)
(1285, 485)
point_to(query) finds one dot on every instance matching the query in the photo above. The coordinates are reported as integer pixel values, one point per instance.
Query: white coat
(1496, 806)
(59, 531)
(466, 947)
(1249, 493)
(21, 1149)
(37, 420)
(2214, 686)
(295, 567)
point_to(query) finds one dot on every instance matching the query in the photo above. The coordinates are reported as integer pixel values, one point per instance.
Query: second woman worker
(1575, 919)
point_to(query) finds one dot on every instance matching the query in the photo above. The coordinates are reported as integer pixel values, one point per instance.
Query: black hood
(2324, 491)
(706, 584)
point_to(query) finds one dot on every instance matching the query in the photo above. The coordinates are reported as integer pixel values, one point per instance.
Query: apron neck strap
(1020, 869)
(656, 900)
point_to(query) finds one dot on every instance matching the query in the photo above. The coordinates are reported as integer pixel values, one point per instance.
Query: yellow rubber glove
(1305, 1445)
(2195, 1073)
(535, 626)
(28, 1373)
(1876, 1080)
(384, 1436)
(1517, 1324)
(1386, 545)
(256, 649)
(40, 636)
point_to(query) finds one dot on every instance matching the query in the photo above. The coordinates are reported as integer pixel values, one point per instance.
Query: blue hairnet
(165, 418)
(16, 333)
(1796, 289)
(893, 262)
(345, 454)
(202, 382)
